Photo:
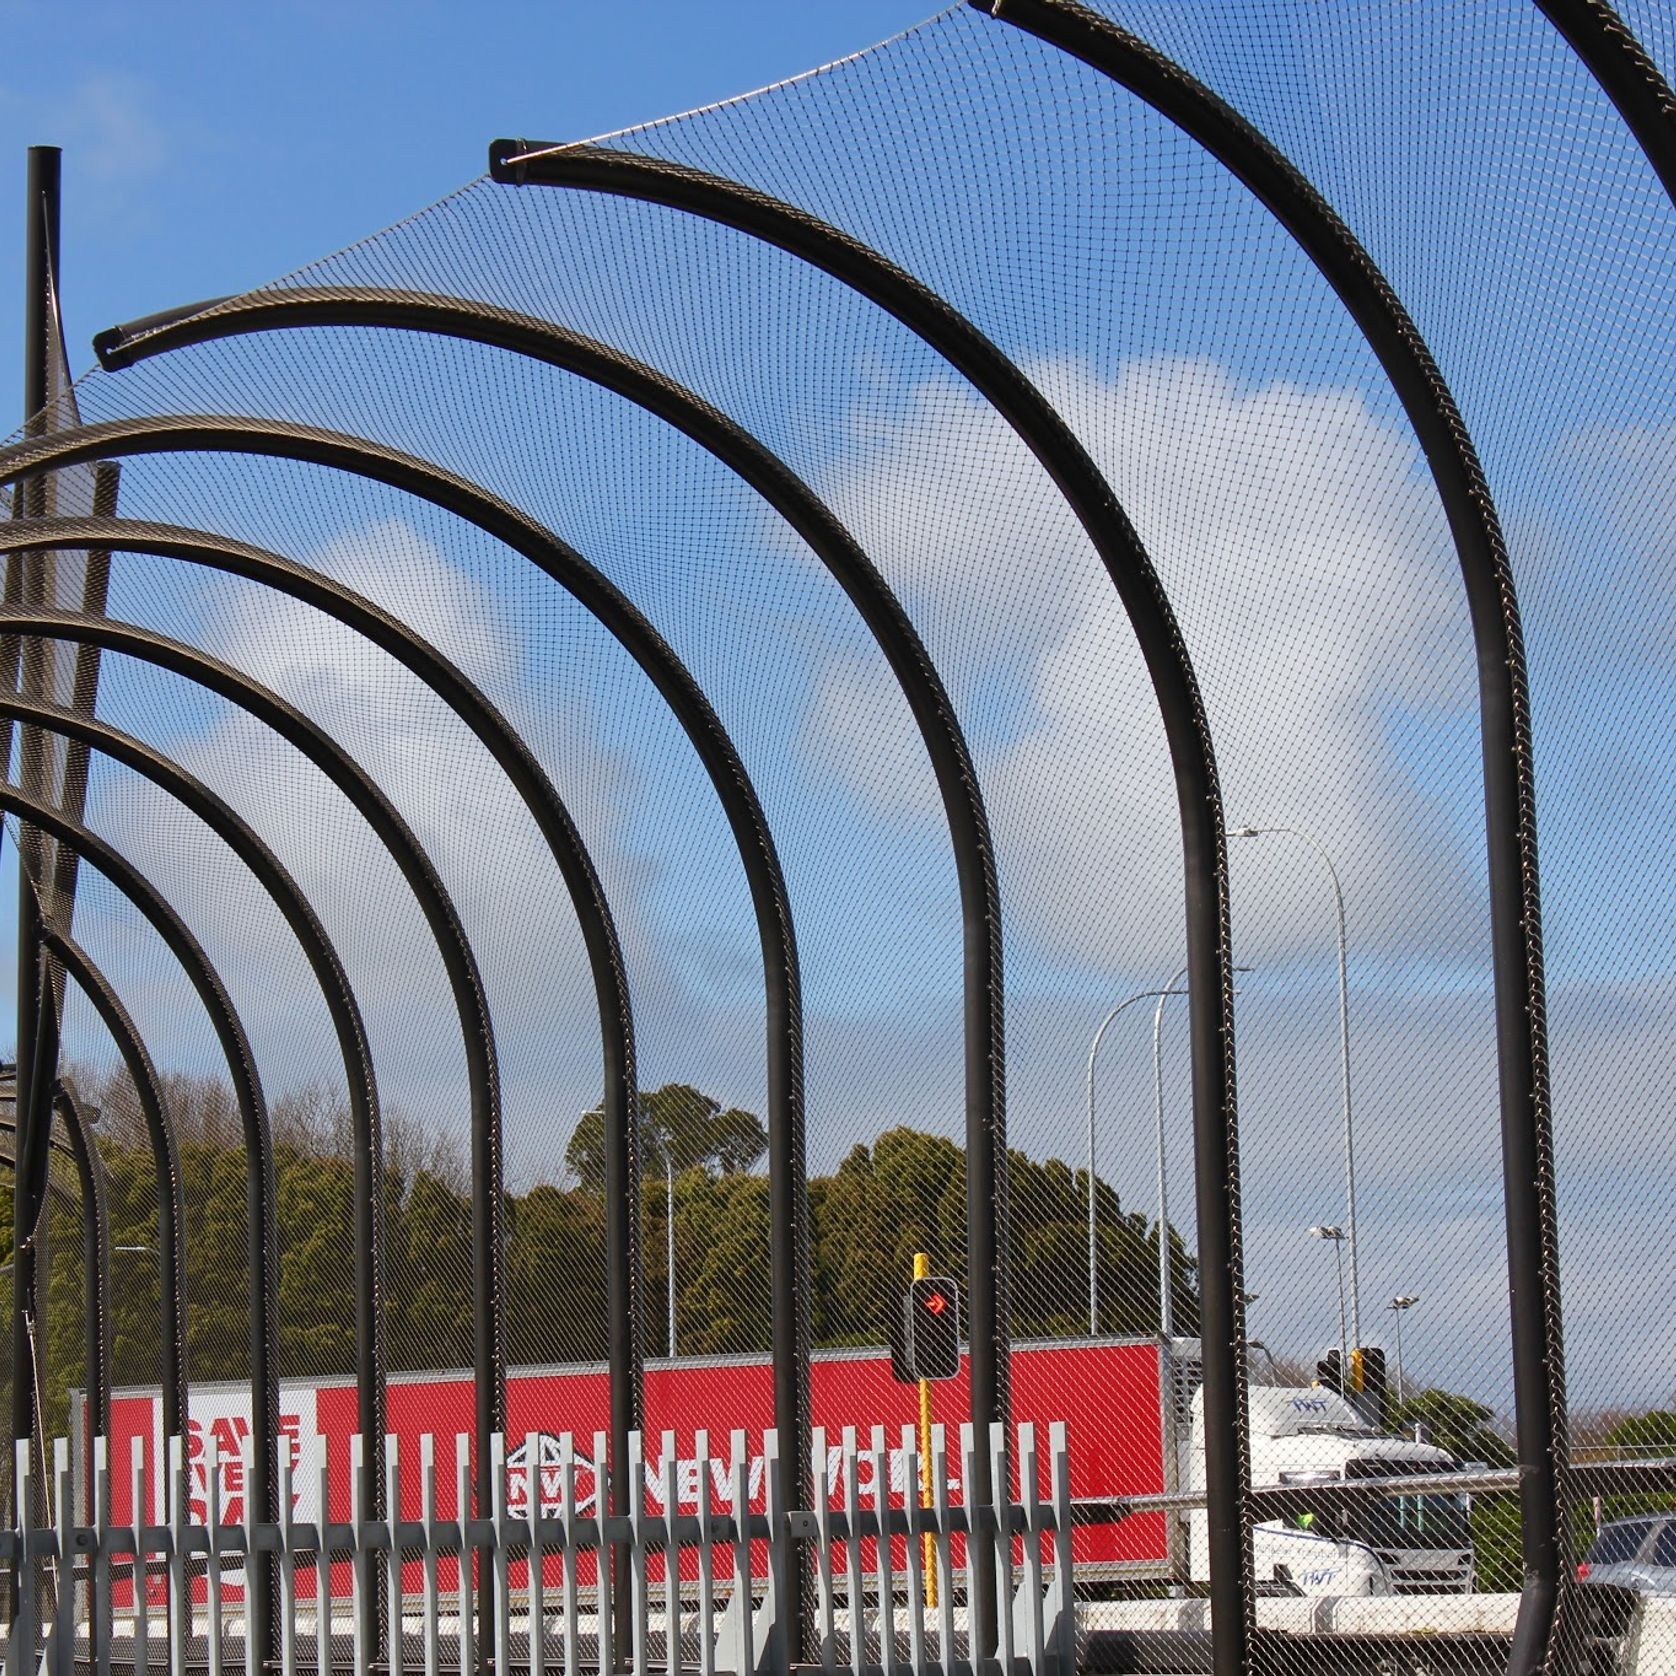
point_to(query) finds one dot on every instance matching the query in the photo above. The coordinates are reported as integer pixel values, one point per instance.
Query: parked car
(1637, 1554)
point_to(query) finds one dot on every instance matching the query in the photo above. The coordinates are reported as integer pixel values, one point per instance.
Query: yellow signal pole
(922, 1271)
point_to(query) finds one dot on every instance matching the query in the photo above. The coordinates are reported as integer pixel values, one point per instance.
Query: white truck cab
(1418, 1544)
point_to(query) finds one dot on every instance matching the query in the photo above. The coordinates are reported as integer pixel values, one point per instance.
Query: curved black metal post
(1627, 75)
(1504, 707)
(792, 498)
(160, 1131)
(95, 1232)
(593, 590)
(263, 1239)
(276, 880)
(528, 778)
(96, 1259)
(1210, 1001)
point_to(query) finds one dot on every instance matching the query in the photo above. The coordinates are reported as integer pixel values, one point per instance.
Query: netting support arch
(160, 1131)
(311, 741)
(1210, 963)
(79, 1146)
(1627, 75)
(765, 472)
(1531, 1209)
(497, 734)
(328, 971)
(96, 1257)
(589, 586)
(262, 1231)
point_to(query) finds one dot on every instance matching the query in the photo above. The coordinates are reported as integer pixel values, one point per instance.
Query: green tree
(691, 1127)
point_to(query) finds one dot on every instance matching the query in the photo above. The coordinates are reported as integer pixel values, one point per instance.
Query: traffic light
(1327, 1372)
(1369, 1366)
(933, 1328)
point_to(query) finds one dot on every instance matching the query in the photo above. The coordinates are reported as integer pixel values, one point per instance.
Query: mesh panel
(1251, 436)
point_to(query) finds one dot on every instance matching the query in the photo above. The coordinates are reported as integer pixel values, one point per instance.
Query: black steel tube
(1504, 709)
(1210, 1003)
(791, 497)
(263, 1241)
(298, 913)
(96, 1260)
(528, 778)
(160, 1131)
(595, 591)
(41, 255)
(459, 962)
(1627, 75)
(84, 696)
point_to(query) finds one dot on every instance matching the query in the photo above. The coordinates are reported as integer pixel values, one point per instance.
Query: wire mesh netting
(1255, 441)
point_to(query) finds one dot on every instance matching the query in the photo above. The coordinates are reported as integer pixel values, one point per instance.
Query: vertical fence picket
(433, 1594)
(537, 1560)
(706, 1558)
(568, 1560)
(180, 1580)
(857, 1601)
(360, 1581)
(944, 1547)
(823, 1546)
(247, 1517)
(742, 1591)
(1030, 1499)
(287, 1556)
(393, 1560)
(636, 1480)
(212, 1565)
(604, 1569)
(501, 1551)
(142, 1590)
(671, 1558)
(100, 1627)
(1065, 1630)
(323, 1563)
(915, 1548)
(466, 1639)
(975, 1531)
(64, 1569)
(28, 1597)
(883, 1564)
(1003, 1542)
(774, 1501)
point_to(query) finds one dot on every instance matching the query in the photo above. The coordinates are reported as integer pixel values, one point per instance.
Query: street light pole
(669, 1226)
(1399, 1306)
(1329, 1231)
(1093, 1253)
(1344, 1057)
(1166, 1311)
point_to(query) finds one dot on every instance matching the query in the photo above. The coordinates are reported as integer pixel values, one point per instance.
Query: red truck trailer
(1108, 1392)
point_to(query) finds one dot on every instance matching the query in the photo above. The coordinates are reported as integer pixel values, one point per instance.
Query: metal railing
(544, 1571)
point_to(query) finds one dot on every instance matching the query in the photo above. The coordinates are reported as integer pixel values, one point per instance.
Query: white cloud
(1309, 568)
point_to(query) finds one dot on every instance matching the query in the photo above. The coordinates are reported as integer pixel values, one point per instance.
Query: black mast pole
(40, 268)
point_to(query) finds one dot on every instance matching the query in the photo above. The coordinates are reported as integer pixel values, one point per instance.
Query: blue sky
(211, 147)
